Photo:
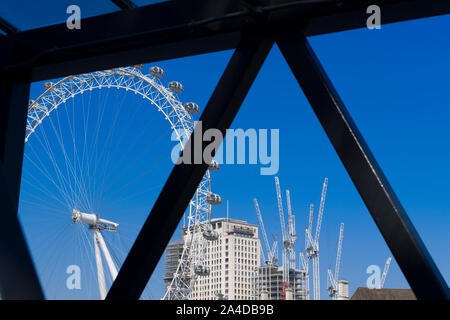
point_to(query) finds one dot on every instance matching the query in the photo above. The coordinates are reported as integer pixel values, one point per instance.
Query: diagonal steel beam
(180, 187)
(14, 93)
(124, 4)
(18, 279)
(7, 27)
(394, 224)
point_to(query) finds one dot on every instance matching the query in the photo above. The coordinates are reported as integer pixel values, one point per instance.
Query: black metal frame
(182, 28)
(124, 4)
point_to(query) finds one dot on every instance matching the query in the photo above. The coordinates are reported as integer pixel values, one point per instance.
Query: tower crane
(385, 271)
(271, 252)
(311, 217)
(312, 244)
(305, 266)
(304, 261)
(274, 251)
(333, 290)
(292, 233)
(286, 242)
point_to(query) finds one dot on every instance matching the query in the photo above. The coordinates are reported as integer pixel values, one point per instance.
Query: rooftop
(383, 294)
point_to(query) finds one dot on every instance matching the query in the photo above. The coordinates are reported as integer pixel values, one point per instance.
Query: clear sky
(394, 83)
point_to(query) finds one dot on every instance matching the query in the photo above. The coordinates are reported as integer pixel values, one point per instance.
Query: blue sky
(394, 83)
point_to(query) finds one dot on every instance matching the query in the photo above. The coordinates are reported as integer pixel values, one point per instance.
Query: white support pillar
(111, 266)
(100, 273)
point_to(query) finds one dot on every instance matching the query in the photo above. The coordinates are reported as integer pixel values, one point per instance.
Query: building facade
(233, 261)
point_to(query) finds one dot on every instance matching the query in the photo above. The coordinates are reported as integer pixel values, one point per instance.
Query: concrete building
(233, 261)
(343, 290)
(270, 284)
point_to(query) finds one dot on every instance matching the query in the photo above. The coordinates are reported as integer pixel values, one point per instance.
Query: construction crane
(305, 262)
(305, 266)
(385, 271)
(311, 217)
(286, 242)
(333, 290)
(274, 251)
(271, 252)
(312, 244)
(292, 233)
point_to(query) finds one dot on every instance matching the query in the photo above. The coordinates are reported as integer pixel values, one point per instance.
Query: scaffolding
(270, 284)
(172, 256)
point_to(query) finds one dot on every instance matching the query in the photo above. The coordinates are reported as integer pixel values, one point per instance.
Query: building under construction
(285, 282)
(173, 253)
(270, 284)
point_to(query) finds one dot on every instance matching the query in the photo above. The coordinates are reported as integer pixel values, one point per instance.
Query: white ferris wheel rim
(70, 86)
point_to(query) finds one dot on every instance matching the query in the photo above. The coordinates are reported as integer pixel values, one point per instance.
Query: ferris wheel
(66, 155)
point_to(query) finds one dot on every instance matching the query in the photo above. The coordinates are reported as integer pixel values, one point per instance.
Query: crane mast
(304, 264)
(385, 271)
(333, 289)
(312, 244)
(270, 252)
(311, 217)
(291, 220)
(339, 250)
(274, 251)
(308, 244)
(286, 242)
(321, 208)
(292, 233)
(280, 209)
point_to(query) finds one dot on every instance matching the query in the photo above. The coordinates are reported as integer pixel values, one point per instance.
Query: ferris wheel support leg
(98, 261)
(109, 261)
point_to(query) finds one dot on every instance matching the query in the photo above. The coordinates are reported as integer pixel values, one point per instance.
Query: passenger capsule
(213, 199)
(210, 235)
(201, 270)
(47, 85)
(176, 87)
(138, 66)
(157, 72)
(213, 166)
(191, 107)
